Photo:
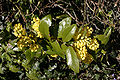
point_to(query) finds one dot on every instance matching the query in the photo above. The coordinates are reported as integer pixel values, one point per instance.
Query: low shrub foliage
(57, 39)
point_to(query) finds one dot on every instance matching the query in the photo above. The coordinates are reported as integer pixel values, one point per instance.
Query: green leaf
(102, 38)
(56, 48)
(25, 64)
(31, 1)
(68, 33)
(80, 29)
(45, 23)
(62, 16)
(29, 55)
(2, 35)
(72, 60)
(110, 13)
(96, 68)
(5, 55)
(97, 76)
(105, 37)
(1, 71)
(64, 47)
(38, 53)
(62, 25)
(50, 52)
(103, 51)
(109, 32)
(13, 68)
(8, 26)
(32, 75)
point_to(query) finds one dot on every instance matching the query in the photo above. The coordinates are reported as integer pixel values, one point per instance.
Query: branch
(68, 13)
(21, 14)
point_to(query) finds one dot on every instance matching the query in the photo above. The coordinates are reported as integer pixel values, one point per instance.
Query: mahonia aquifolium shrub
(81, 44)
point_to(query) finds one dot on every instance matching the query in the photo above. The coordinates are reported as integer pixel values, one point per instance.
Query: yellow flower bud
(54, 56)
(18, 30)
(36, 26)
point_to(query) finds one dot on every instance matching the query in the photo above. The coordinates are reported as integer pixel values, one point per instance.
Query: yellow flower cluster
(34, 47)
(83, 43)
(28, 41)
(94, 45)
(81, 34)
(18, 30)
(25, 41)
(36, 26)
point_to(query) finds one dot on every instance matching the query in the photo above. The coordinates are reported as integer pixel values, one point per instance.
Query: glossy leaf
(68, 33)
(105, 37)
(56, 46)
(62, 25)
(102, 38)
(64, 47)
(57, 49)
(72, 60)
(45, 23)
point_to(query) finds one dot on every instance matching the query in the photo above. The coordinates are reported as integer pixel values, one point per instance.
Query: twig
(21, 14)
(95, 26)
(94, 5)
(75, 15)
(116, 3)
(76, 6)
(31, 7)
(89, 7)
(40, 10)
(96, 17)
(84, 15)
(88, 18)
(47, 6)
(68, 13)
